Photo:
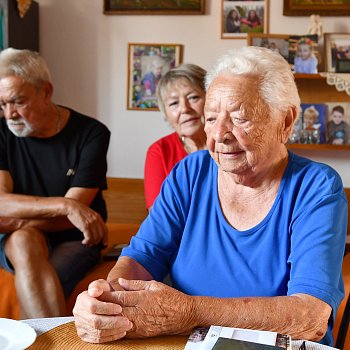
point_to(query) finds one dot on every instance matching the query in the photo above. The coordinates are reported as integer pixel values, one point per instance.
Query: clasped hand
(140, 309)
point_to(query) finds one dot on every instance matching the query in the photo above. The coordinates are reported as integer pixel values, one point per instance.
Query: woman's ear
(288, 123)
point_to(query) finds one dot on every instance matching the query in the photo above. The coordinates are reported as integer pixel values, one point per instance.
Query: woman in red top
(181, 97)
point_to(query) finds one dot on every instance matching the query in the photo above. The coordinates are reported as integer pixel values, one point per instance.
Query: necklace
(188, 148)
(58, 120)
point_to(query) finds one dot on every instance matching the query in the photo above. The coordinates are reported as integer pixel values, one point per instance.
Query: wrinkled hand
(88, 222)
(154, 308)
(99, 321)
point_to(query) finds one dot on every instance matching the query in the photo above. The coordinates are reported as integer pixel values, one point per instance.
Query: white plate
(15, 335)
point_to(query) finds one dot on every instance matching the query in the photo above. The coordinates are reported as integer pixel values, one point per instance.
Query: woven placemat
(64, 337)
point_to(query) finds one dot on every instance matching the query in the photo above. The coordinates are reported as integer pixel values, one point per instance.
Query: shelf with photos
(324, 122)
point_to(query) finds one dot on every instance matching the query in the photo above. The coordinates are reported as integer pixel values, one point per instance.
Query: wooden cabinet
(313, 88)
(17, 32)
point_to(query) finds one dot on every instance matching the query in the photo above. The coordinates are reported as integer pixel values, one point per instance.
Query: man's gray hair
(273, 74)
(26, 64)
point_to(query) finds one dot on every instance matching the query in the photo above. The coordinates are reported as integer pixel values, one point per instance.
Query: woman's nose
(184, 105)
(223, 129)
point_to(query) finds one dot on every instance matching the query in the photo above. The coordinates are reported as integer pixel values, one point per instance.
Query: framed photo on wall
(151, 7)
(337, 52)
(274, 42)
(320, 7)
(147, 63)
(238, 18)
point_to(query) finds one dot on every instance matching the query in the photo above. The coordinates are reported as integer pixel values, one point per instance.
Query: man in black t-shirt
(52, 173)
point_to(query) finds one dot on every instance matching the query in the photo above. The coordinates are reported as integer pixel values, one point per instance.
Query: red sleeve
(160, 160)
(155, 173)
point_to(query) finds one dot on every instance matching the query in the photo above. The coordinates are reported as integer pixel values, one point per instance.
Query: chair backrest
(344, 326)
(341, 326)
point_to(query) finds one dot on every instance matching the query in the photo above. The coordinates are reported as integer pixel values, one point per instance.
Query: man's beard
(25, 131)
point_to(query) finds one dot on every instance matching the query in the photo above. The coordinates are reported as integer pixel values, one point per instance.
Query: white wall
(87, 54)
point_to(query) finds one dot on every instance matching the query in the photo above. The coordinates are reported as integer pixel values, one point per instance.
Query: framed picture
(147, 63)
(338, 123)
(151, 7)
(311, 125)
(304, 56)
(274, 42)
(337, 52)
(320, 7)
(238, 18)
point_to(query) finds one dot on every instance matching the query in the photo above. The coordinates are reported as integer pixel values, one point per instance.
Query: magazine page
(254, 336)
(205, 339)
(196, 339)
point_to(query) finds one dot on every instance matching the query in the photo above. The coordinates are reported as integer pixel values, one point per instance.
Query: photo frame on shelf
(338, 123)
(274, 42)
(304, 54)
(337, 52)
(320, 7)
(238, 18)
(311, 125)
(151, 7)
(147, 63)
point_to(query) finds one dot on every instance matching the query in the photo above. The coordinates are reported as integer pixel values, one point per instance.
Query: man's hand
(99, 321)
(88, 222)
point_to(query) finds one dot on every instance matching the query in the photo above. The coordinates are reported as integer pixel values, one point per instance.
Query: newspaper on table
(206, 338)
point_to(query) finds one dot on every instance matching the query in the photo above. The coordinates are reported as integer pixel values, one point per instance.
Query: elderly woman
(252, 234)
(181, 97)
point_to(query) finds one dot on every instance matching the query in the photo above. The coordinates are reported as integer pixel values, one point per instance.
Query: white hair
(26, 64)
(273, 74)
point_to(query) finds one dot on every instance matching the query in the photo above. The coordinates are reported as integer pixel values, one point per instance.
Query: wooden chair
(341, 326)
(344, 326)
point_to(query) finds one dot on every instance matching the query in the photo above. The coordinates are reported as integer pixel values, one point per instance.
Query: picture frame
(238, 18)
(310, 127)
(304, 54)
(338, 123)
(151, 7)
(275, 42)
(306, 8)
(337, 52)
(147, 63)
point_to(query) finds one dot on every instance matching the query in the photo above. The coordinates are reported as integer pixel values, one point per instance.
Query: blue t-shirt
(297, 248)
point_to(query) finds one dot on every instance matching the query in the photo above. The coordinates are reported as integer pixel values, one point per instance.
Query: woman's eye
(172, 104)
(210, 120)
(193, 98)
(239, 120)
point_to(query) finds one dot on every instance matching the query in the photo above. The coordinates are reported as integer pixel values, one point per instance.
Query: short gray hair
(191, 72)
(274, 75)
(26, 64)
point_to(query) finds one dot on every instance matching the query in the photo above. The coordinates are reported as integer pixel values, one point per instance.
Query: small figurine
(315, 26)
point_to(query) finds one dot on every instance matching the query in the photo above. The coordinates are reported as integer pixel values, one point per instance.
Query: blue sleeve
(318, 240)
(158, 239)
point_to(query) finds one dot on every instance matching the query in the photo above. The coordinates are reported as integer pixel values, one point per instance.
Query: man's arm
(51, 213)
